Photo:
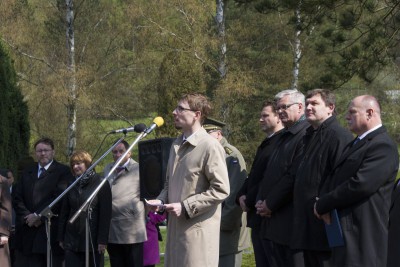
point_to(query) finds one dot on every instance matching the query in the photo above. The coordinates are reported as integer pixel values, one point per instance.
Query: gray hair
(294, 95)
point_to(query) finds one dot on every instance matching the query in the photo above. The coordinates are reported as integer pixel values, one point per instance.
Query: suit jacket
(323, 148)
(128, 218)
(34, 194)
(394, 228)
(252, 183)
(5, 221)
(277, 185)
(360, 188)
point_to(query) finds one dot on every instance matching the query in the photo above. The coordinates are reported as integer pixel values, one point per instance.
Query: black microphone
(138, 128)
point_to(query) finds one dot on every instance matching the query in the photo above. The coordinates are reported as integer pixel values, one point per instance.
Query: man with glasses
(275, 192)
(38, 186)
(196, 184)
(128, 219)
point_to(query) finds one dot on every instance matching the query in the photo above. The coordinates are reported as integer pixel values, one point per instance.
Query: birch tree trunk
(220, 19)
(297, 48)
(71, 80)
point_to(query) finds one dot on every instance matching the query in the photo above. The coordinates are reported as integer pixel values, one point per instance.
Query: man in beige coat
(196, 185)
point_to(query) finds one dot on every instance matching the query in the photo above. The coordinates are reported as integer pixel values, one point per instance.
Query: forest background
(85, 67)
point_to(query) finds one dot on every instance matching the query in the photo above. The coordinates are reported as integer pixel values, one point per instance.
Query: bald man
(360, 188)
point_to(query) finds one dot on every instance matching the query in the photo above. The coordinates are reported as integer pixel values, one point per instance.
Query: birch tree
(220, 20)
(71, 79)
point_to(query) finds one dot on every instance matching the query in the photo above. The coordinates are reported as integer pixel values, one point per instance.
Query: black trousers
(312, 258)
(37, 260)
(260, 247)
(281, 255)
(125, 255)
(78, 259)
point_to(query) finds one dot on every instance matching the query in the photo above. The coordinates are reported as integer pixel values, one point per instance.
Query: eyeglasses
(181, 109)
(43, 150)
(285, 107)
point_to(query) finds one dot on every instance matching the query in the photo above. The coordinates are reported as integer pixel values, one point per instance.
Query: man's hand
(262, 209)
(32, 220)
(325, 217)
(102, 248)
(174, 208)
(154, 205)
(242, 203)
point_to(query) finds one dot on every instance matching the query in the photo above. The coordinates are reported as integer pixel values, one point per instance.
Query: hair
(126, 145)
(269, 103)
(80, 156)
(294, 95)
(198, 102)
(44, 140)
(327, 96)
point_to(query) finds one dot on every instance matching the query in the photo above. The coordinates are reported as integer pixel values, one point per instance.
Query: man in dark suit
(394, 228)
(272, 126)
(324, 142)
(276, 190)
(360, 188)
(36, 189)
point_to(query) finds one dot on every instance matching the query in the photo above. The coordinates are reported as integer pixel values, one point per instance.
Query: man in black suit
(360, 188)
(272, 126)
(275, 195)
(324, 142)
(394, 228)
(36, 189)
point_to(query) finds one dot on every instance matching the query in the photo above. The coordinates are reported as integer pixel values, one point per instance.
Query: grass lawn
(248, 256)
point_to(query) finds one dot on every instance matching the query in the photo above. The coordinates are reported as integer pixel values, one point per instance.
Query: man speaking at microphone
(196, 184)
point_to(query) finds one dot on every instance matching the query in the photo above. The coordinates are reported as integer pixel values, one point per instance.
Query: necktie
(42, 171)
(120, 169)
(356, 140)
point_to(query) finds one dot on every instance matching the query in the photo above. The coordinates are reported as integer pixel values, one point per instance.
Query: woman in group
(72, 236)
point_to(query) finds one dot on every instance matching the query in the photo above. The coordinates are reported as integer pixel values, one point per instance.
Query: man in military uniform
(234, 236)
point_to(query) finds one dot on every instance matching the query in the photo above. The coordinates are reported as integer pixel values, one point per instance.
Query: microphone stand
(121, 158)
(86, 204)
(47, 212)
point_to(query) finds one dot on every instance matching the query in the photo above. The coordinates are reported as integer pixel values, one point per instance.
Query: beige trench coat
(197, 177)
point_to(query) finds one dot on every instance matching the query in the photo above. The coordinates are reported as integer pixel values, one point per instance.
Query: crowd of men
(308, 174)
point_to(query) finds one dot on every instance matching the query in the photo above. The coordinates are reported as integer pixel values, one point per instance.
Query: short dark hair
(126, 144)
(198, 102)
(270, 103)
(327, 96)
(44, 140)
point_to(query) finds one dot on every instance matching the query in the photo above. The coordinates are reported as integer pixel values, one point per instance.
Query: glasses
(181, 109)
(43, 151)
(285, 107)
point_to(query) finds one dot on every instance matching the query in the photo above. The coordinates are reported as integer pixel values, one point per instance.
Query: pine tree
(14, 130)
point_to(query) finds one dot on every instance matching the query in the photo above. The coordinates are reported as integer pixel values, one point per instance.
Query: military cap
(211, 124)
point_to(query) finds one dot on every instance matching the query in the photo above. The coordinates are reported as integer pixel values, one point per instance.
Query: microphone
(157, 122)
(138, 128)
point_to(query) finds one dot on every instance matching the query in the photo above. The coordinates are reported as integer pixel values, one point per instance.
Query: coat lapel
(350, 149)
